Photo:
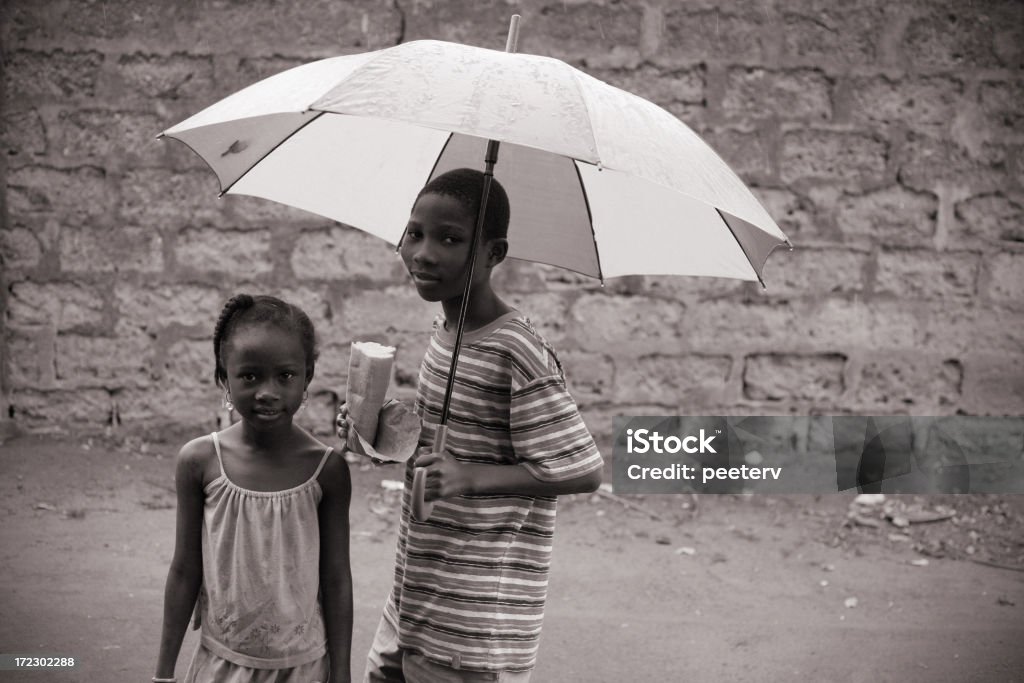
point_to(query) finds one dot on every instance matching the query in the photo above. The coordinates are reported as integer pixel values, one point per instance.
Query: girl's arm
(335, 569)
(447, 477)
(186, 572)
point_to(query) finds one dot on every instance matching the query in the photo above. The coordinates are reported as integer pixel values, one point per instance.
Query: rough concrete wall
(885, 138)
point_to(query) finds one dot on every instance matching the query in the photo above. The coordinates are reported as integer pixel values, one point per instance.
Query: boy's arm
(186, 572)
(447, 477)
(335, 567)
(555, 452)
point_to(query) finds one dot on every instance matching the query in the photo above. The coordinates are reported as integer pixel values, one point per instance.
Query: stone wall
(885, 138)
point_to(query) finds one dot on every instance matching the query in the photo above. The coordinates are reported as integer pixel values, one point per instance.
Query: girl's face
(435, 247)
(266, 371)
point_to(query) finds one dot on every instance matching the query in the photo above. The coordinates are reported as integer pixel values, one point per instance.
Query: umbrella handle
(421, 508)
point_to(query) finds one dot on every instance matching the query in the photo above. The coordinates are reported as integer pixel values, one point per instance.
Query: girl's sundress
(259, 605)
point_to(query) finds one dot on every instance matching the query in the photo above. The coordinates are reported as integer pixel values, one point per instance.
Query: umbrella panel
(642, 229)
(232, 148)
(550, 219)
(361, 172)
(367, 172)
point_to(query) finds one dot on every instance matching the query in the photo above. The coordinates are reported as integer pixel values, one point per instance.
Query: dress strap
(220, 459)
(323, 461)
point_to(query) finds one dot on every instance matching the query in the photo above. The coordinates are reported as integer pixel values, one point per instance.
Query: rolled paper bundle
(369, 374)
(398, 433)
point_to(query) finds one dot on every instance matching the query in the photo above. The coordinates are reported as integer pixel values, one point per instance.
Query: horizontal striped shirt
(470, 582)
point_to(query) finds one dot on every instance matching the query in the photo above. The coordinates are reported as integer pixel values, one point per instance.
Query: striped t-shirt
(471, 581)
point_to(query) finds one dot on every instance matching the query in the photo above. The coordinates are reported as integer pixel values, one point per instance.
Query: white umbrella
(600, 181)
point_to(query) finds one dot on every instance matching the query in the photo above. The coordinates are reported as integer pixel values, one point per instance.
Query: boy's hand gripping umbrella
(603, 182)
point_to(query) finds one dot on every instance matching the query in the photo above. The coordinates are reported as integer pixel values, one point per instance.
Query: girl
(262, 524)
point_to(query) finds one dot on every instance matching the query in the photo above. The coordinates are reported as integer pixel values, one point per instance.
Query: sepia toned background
(886, 139)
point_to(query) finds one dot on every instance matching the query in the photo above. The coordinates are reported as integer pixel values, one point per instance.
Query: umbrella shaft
(490, 159)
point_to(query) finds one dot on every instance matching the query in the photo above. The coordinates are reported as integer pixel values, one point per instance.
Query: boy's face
(435, 247)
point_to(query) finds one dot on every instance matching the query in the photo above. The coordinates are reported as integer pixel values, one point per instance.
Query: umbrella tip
(512, 43)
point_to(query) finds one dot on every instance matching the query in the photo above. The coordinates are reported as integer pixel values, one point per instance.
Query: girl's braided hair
(245, 309)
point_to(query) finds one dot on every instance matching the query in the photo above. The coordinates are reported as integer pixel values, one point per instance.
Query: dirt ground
(655, 588)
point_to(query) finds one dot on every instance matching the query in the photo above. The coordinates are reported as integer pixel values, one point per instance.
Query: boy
(471, 581)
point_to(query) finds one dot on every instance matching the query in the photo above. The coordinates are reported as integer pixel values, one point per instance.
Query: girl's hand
(446, 476)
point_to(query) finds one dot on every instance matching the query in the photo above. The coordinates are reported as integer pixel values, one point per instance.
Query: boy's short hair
(466, 186)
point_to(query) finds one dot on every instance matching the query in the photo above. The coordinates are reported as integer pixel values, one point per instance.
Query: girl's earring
(227, 401)
(305, 397)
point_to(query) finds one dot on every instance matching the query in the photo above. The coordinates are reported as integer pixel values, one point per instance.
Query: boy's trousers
(388, 663)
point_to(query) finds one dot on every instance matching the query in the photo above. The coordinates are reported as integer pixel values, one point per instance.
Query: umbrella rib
(590, 221)
(590, 115)
(438, 159)
(742, 248)
(430, 175)
(270, 151)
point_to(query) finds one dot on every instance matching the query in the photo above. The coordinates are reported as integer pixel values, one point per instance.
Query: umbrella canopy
(601, 182)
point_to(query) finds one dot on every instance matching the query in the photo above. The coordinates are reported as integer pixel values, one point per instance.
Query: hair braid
(239, 302)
